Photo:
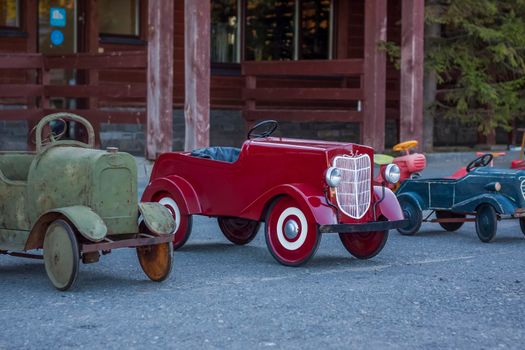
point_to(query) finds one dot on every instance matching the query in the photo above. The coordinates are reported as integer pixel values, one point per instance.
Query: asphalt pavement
(432, 291)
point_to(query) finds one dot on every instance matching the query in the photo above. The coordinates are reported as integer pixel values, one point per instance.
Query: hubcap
(291, 229)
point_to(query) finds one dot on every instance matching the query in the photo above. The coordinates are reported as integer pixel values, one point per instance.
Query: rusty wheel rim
(156, 260)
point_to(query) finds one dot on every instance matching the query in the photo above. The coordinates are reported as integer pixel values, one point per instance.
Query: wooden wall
(226, 87)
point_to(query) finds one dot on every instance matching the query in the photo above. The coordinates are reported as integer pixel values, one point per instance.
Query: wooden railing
(33, 91)
(317, 90)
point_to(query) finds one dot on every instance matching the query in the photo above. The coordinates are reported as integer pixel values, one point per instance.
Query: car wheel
(486, 222)
(61, 255)
(183, 221)
(522, 225)
(414, 215)
(156, 260)
(291, 232)
(237, 230)
(450, 226)
(364, 245)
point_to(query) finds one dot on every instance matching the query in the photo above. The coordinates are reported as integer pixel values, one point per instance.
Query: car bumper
(365, 227)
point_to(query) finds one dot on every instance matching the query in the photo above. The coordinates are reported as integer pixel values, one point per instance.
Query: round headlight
(392, 173)
(333, 176)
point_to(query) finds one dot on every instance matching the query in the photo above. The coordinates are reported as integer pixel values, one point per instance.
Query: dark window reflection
(270, 29)
(119, 17)
(224, 31)
(315, 29)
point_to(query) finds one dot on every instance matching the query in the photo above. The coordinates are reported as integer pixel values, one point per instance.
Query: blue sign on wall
(57, 17)
(57, 37)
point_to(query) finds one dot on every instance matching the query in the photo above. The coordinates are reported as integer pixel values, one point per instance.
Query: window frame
(298, 6)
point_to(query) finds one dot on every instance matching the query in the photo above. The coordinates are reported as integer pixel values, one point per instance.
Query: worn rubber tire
(183, 221)
(61, 255)
(156, 260)
(414, 215)
(238, 231)
(299, 249)
(449, 226)
(486, 222)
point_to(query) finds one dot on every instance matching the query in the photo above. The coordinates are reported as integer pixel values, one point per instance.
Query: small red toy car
(299, 188)
(410, 164)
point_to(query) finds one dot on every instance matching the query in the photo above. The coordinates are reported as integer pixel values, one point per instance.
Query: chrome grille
(353, 192)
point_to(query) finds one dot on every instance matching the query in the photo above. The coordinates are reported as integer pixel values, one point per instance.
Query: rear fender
(313, 198)
(85, 221)
(414, 197)
(156, 217)
(389, 206)
(181, 190)
(501, 204)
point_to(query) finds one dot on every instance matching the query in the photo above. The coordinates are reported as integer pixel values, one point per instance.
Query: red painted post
(197, 15)
(159, 124)
(412, 57)
(373, 131)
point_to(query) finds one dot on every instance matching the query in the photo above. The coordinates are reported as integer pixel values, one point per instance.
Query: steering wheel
(405, 146)
(268, 126)
(54, 140)
(51, 136)
(482, 161)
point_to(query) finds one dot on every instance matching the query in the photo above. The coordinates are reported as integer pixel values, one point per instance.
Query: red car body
(282, 182)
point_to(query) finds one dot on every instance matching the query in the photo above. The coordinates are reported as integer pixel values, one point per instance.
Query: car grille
(353, 192)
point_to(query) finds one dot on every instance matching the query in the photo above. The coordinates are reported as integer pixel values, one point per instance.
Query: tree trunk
(432, 30)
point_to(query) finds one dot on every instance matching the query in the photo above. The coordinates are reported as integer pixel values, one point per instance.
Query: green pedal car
(75, 202)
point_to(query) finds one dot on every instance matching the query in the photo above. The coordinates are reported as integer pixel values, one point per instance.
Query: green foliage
(479, 59)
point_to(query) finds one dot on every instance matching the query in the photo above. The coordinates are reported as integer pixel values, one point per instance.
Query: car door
(441, 194)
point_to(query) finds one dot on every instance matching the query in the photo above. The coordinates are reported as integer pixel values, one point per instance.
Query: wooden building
(134, 61)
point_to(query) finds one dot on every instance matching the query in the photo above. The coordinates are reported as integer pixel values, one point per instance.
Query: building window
(119, 17)
(9, 14)
(315, 41)
(288, 29)
(225, 31)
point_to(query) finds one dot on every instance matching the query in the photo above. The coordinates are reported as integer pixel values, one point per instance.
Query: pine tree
(479, 60)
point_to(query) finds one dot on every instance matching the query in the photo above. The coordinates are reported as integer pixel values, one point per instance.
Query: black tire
(522, 225)
(486, 223)
(238, 231)
(449, 226)
(414, 215)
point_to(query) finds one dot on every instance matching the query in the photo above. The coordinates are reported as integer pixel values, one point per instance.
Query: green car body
(93, 191)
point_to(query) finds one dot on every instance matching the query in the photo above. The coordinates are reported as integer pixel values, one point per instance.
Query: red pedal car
(299, 188)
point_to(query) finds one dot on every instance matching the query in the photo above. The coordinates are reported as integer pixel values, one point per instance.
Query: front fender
(181, 190)
(389, 206)
(502, 204)
(85, 221)
(312, 197)
(156, 217)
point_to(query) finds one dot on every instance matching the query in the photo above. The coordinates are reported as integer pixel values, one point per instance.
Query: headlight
(333, 176)
(392, 173)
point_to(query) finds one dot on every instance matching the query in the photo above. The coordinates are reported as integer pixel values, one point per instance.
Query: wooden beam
(303, 94)
(306, 68)
(373, 133)
(159, 125)
(412, 55)
(343, 13)
(197, 19)
(307, 115)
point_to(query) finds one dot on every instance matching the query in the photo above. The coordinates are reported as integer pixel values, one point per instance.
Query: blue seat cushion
(224, 154)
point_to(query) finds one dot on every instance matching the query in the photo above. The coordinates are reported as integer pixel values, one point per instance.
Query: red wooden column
(412, 56)
(159, 125)
(373, 133)
(197, 15)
